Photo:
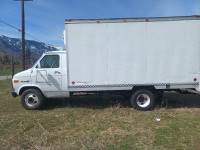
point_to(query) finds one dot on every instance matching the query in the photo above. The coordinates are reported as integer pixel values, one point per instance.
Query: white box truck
(139, 57)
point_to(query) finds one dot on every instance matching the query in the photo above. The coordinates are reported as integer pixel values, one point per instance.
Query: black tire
(32, 99)
(143, 100)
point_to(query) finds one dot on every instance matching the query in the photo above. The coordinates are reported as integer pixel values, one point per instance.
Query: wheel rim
(143, 100)
(31, 99)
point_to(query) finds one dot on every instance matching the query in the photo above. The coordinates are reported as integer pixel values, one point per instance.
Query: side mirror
(37, 66)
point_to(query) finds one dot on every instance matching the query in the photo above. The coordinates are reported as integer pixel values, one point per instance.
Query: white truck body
(114, 54)
(118, 55)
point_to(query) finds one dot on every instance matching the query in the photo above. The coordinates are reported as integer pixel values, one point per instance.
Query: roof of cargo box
(145, 19)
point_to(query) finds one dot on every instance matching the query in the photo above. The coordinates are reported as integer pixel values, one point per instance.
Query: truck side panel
(173, 51)
(152, 53)
(87, 50)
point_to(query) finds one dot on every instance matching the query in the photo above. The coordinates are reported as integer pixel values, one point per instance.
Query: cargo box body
(119, 53)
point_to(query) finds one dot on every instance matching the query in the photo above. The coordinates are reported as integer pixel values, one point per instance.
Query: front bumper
(14, 94)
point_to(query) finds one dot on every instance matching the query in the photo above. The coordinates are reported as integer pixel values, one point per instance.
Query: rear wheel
(32, 99)
(143, 100)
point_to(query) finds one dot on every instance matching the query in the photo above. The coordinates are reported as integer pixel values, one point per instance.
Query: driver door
(48, 75)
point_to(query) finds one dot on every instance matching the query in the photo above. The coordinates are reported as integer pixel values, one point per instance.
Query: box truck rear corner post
(136, 57)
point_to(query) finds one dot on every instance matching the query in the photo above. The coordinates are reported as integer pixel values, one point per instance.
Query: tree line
(9, 59)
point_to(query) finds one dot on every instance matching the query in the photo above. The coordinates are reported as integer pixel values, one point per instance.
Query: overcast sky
(45, 18)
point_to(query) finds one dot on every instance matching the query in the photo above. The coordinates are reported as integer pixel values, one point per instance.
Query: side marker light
(16, 81)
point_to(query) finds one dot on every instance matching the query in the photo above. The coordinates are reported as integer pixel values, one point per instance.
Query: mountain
(12, 46)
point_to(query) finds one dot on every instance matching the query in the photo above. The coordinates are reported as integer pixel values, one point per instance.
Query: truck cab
(45, 79)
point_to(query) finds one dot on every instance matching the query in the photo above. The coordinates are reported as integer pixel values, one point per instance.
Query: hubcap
(31, 100)
(143, 100)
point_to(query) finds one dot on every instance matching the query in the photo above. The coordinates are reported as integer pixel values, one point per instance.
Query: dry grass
(93, 123)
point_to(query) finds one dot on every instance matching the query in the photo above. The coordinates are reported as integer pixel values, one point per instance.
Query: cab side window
(50, 61)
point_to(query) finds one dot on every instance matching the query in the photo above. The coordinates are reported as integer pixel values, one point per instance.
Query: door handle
(56, 72)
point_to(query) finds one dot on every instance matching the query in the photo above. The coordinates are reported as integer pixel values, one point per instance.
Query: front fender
(29, 86)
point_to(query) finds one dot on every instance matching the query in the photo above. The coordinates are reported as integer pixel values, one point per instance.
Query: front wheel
(143, 100)
(32, 99)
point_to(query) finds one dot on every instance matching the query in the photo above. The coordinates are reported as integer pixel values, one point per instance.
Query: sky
(44, 19)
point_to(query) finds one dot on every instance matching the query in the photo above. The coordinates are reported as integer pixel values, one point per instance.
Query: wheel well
(150, 88)
(29, 87)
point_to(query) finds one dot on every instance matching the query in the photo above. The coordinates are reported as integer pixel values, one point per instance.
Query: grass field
(93, 123)
(5, 72)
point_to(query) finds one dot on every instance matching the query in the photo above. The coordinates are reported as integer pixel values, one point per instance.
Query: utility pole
(23, 33)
